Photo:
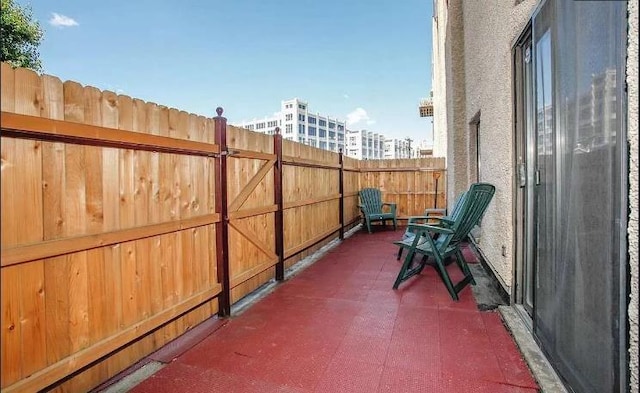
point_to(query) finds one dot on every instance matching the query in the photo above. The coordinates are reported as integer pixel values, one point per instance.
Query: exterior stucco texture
(632, 121)
(490, 28)
(478, 73)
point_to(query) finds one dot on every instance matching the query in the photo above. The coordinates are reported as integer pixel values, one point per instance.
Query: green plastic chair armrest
(430, 228)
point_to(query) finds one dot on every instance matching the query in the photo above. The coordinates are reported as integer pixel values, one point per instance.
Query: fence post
(222, 226)
(341, 191)
(277, 197)
(277, 191)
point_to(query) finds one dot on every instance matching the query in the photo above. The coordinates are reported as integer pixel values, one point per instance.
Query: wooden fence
(126, 223)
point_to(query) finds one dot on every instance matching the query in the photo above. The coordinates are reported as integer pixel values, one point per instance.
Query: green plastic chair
(371, 206)
(448, 240)
(430, 217)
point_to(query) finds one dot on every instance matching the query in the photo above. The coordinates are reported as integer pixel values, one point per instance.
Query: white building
(422, 149)
(396, 148)
(297, 123)
(365, 145)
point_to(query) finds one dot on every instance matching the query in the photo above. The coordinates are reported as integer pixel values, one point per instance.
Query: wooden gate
(251, 210)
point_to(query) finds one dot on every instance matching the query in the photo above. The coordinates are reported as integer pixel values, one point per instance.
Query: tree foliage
(20, 35)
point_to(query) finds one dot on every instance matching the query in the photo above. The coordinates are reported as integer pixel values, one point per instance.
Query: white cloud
(359, 115)
(61, 21)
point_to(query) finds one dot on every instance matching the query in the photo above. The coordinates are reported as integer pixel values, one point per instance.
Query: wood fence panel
(24, 174)
(351, 188)
(410, 183)
(250, 191)
(76, 305)
(10, 278)
(310, 197)
(57, 270)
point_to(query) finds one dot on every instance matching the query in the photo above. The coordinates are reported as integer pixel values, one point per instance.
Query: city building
(365, 145)
(426, 110)
(297, 123)
(422, 149)
(397, 148)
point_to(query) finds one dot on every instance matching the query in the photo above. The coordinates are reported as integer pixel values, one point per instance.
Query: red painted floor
(339, 327)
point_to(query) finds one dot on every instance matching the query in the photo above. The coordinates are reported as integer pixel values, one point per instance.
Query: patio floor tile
(338, 326)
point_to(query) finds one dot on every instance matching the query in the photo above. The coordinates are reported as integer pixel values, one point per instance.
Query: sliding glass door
(571, 168)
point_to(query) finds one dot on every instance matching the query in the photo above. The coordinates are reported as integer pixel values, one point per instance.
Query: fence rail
(126, 223)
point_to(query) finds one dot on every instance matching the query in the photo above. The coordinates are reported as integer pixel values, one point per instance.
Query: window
(332, 125)
(322, 133)
(259, 126)
(312, 120)
(340, 137)
(322, 123)
(323, 145)
(300, 128)
(300, 106)
(332, 146)
(289, 106)
(288, 117)
(250, 127)
(312, 131)
(301, 117)
(340, 127)
(273, 123)
(288, 128)
(332, 135)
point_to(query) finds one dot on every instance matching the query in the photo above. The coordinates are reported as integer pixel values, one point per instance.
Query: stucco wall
(632, 84)
(490, 29)
(439, 80)
(455, 80)
(478, 78)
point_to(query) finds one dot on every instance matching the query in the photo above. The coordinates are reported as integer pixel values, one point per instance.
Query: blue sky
(364, 60)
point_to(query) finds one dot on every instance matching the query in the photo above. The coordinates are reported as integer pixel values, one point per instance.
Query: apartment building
(298, 123)
(397, 148)
(365, 145)
(422, 149)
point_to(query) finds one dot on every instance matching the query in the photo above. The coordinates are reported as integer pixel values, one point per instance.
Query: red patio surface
(339, 327)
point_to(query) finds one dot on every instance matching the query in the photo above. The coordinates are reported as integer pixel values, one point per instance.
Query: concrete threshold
(545, 375)
(127, 383)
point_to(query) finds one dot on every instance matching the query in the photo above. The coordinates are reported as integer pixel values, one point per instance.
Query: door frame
(519, 208)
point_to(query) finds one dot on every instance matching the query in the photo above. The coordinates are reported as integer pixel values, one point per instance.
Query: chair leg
(395, 224)
(442, 271)
(399, 253)
(369, 226)
(423, 263)
(406, 271)
(462, 264)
